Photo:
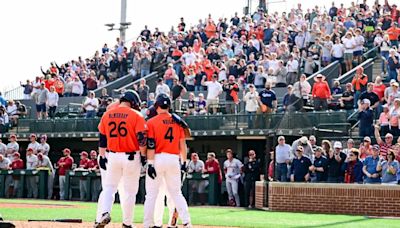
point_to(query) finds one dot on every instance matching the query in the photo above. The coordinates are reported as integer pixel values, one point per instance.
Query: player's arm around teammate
(166, 146)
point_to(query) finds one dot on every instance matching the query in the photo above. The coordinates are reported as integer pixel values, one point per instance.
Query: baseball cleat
(188, 225)
(105, 219)
(126, 226)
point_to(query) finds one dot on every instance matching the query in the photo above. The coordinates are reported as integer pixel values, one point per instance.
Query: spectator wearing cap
(319, 167)
(335, 161)
(161, 88)
(43, 146)
(41, 99)
(28, 88)
(45, 163)
(251, 104)
(370, 95)
(64, 164)
(389, 168)
(214, 89)
(90, 104)
(393, 64)
(352, 168)
(283, 158)
(177, 92)
(366, 118)
(302, 89)
(307, 148)
(33, 144)
(16, 164)
(83, 182)
(349, 146)
(313, 142)
(385, 145)
(370, 168)
(290, 101)
(12, 147)
(365, 148)
(299, 171)
(93, 166)
(394, 33)
(359, 83)
(267, 99)
(231, 89)
(392, 92)
(383, 126)
(321, 93)
(31, 181)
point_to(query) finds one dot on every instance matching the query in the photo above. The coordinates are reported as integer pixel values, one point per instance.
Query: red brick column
(353, 199)
(261, 194)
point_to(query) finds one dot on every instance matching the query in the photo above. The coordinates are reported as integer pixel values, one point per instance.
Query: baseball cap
(16, 154)
(366, 101)
(29, 149)
(303, 140)
(368, 139)
(388, 135)
(395, 84)
(13, 136)
(84, 153)
(318, 148)
(376, 147)
(337, 144)
(300, 148)
(93, 152)
(392, 81)
(350, 141)
(44, 137)
(32, 135)
(67, 150)
(281, 138)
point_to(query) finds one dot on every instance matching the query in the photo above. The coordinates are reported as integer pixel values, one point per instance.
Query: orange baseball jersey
(120, 125)
(166, 133)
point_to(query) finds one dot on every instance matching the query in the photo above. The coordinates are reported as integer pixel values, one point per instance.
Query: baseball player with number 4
(123, 132)
(166, 144)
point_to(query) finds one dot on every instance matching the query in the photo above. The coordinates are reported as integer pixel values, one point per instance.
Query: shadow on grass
(334, 223)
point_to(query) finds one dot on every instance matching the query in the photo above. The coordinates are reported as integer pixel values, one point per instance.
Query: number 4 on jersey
(169, 135)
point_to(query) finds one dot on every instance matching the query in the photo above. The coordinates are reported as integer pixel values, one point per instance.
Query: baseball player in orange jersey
(123, 132)
(166, 144)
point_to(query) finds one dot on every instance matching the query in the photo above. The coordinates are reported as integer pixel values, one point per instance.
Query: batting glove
(103, 162)
(183, 167)
(151, 171)
(143, 160)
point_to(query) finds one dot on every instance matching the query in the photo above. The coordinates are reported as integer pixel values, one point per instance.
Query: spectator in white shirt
(162, 88)
(33, 143)
(77, 87)
(189, 57)
(282, 154)
(36, 85)
(349, 45)
(337, 53)
(292, 67)
(31, 181)
(196, 166)
(3, 148)
(43, 147)
(12, 112)
(359, 48)
(214, 89)
(251, 104)
(4, 162)
(90, 105)
(52, 101)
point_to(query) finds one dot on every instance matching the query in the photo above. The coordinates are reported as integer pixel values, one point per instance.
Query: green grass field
(212, 216)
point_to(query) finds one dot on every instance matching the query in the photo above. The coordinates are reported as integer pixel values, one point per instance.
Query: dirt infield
(23, 224)
(31, 205)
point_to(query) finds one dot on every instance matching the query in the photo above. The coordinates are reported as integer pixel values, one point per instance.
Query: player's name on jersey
(118, 115)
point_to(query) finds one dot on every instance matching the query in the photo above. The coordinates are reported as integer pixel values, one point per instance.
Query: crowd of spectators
(304, 161)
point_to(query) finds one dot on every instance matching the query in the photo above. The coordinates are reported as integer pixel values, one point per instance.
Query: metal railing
(348, 76)
(16, 93)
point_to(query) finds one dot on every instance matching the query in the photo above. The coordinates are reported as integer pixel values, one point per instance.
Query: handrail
(322, 70)
(134, 82)
(374, 49)
(352, 71)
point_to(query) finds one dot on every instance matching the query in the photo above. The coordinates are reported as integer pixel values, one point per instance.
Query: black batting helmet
(163, 101)
(132, 97)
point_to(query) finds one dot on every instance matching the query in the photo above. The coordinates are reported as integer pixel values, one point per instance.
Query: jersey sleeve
(150, 131)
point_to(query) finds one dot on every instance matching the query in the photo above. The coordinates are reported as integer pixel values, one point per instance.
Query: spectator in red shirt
(64, 165)
(93, 166)
(321, 93)
(212, 167)
(83, 182)
(16, 164)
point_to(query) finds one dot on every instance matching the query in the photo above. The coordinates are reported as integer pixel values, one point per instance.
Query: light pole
(123, 25)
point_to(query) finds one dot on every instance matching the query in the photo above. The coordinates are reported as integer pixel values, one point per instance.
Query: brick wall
(261, 194)
(354, 199)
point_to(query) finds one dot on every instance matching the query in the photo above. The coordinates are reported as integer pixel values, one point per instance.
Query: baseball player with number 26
(123, 132)
(166, 144)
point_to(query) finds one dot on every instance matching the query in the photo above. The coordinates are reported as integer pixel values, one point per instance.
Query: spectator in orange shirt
(321, 93)
(394, 33)
(359, 83)
(210, 29)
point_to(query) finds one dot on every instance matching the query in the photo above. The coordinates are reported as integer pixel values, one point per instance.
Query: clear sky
(36, 32)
